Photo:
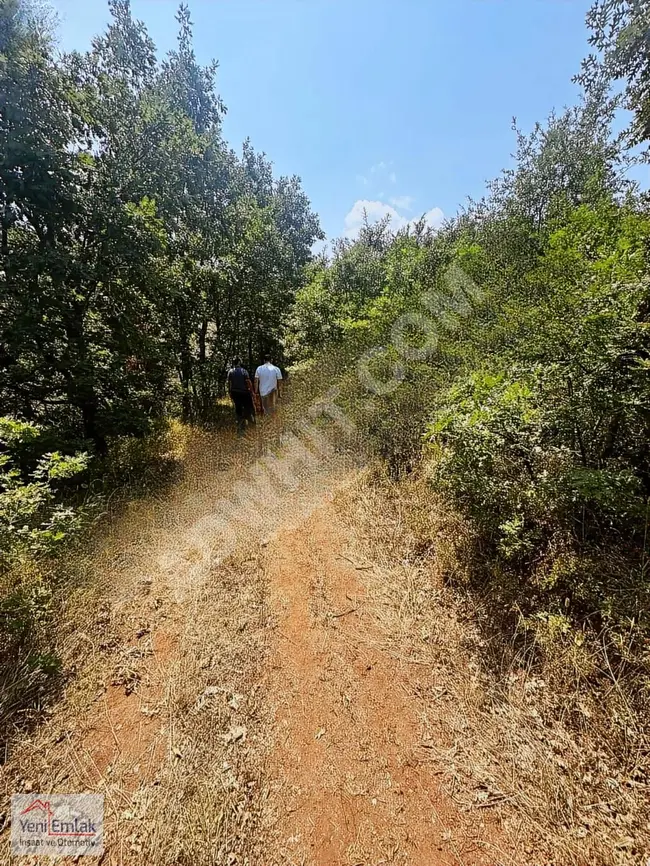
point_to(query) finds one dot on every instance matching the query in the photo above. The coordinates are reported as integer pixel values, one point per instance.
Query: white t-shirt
(268, 374)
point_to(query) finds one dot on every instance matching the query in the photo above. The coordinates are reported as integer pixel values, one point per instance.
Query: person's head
(237, 362)
(267, 359)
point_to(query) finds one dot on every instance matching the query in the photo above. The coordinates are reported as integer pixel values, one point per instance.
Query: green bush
(32, 521)
(35, 522)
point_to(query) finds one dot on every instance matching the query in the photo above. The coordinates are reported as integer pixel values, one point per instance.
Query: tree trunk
(80, 379)
(4, 245)
(185, 373)
(204, 383)
(89, 409)
(185, 363)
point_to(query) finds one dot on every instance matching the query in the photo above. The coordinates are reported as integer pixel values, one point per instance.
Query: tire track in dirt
(349, 779)
(353, 781)
(159, 659)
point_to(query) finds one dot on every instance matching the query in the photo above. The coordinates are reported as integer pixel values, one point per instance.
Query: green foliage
(485, 438)
(533, 402)
(139, 252)
(34, 525)
(32, 521)
(359, 293)
(542, 438)
(619, 33)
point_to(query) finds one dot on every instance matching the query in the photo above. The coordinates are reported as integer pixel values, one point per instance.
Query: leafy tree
(137, 248)
(619, 33)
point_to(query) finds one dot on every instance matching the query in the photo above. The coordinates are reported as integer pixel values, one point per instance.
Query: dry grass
(139, 639)
(163, 659)
(566, 791)
(202, 808)
(187, 790)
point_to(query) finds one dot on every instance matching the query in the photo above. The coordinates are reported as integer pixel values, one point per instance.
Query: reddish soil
(354, 780)
(350, 775)
(125, 735)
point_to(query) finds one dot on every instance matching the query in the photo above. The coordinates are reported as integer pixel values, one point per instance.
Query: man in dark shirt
(240, 389)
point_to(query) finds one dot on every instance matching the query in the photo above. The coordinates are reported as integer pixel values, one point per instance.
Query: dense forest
(140, 253)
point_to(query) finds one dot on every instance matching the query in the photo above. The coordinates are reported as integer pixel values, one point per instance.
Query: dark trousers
(244, 409)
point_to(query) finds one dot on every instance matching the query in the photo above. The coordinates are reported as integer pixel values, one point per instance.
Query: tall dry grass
(532, 732)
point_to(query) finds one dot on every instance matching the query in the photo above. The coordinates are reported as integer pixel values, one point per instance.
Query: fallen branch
(345, 612)
(352, 562)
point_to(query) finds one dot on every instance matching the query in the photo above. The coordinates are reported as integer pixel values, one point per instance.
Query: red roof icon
(44, 806)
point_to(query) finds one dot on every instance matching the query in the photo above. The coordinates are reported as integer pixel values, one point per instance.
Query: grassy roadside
(40, 589)
(545, 734)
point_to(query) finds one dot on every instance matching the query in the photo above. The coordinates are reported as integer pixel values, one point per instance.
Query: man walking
(267, 384)
(240, 389)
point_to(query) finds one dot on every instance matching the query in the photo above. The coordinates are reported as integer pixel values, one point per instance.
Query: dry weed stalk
(531, 739)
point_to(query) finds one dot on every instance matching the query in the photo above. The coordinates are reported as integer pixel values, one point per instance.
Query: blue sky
(384, 104)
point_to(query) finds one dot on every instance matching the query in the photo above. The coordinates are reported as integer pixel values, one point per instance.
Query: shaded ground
(258, 709)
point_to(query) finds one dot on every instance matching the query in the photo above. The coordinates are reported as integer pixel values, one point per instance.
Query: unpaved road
(355, 779)
(248, 712)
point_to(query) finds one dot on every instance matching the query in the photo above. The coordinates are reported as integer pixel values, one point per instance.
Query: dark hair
(237, 362)
(267, 358)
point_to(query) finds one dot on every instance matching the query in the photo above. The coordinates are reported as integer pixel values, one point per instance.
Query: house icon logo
(57, 825)
(39, 806)
(43, 816)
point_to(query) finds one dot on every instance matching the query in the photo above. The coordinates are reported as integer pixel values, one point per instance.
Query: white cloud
(433, 218)
(377, 210)
(403, 202)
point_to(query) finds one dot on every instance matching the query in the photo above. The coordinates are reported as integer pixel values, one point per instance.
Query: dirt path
(354, 779)
(245, 712)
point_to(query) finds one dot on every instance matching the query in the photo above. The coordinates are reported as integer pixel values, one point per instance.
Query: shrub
(34, 523)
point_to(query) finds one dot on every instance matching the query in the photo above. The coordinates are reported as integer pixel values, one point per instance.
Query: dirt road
(355, 779)
(251, 711)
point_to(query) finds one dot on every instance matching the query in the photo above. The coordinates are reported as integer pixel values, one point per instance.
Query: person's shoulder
(258, 369)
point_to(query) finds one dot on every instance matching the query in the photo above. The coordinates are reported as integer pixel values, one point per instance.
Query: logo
(57, 825)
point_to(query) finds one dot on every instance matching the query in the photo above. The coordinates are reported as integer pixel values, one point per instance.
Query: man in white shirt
(267, 384)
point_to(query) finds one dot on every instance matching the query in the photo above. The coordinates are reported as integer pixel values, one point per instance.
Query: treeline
(139, 252)
(506, 358)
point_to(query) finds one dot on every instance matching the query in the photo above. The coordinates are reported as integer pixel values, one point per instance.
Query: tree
(139, 252)
(619, 33)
